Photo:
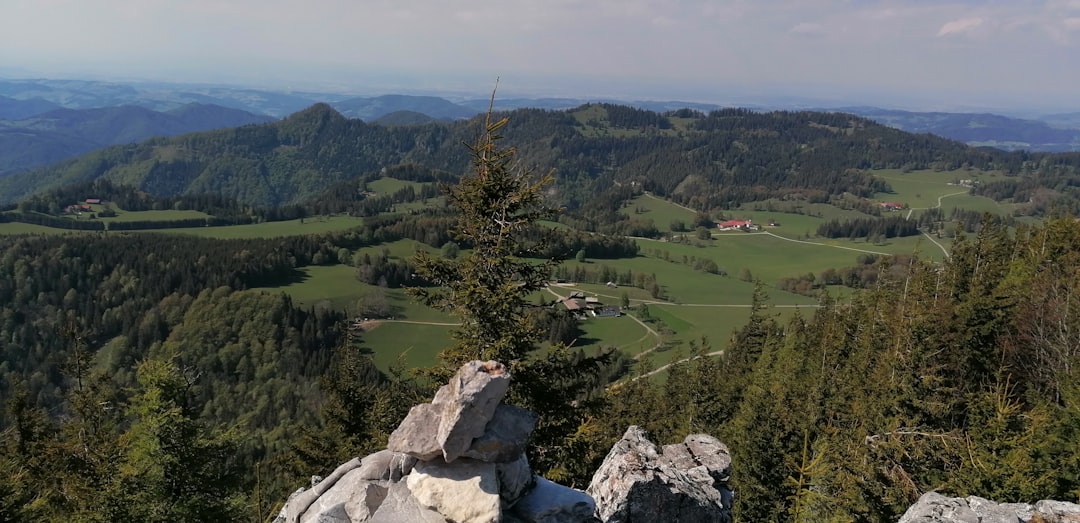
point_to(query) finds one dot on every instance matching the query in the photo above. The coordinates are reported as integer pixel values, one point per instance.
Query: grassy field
(921, 189)
(766, 257)
(336, 286)
(418, 345)
(316, 225)
(9, 228)
(622, 333)
(661, 212)
(164, 216)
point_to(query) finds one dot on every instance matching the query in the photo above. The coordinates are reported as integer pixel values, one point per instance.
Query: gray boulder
(386, 465)
(686, 482)
(298, 503)
(401, 507)
(415, 435)
(459, 413)
(466, 491)
(933, 507)
(350, 499)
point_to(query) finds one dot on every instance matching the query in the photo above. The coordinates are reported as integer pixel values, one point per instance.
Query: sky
(915, 54)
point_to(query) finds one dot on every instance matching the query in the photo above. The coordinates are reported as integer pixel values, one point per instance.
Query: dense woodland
(144, 381)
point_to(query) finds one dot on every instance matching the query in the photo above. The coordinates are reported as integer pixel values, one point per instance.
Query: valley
(797, 271)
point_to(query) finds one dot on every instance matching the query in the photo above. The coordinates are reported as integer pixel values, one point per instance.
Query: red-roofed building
(892, 206)
(732, 225)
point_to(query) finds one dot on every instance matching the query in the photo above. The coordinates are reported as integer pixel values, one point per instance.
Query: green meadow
(312, 225)
(163, 216)
(412, 344)
(28, 228)
(661, 212)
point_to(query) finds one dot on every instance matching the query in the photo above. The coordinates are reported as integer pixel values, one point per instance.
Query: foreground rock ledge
(682, 482)
(935, 508)
(460, 458)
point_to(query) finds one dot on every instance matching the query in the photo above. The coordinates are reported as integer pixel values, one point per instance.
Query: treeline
(212, 221)
(964, 220)
(128, 198)
(605, 274)
(889, 227)
(625, 117)
(564, 243)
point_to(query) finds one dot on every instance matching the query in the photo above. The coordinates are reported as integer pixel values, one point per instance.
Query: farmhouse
(581, 306)
(736, 225)
(892, 206)
(77, 209)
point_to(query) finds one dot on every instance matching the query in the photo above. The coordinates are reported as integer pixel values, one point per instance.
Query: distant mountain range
(982, 129)
(35, 131)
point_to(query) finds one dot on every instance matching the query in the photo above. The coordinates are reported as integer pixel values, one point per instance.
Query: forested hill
(49, 136)
(715, 160)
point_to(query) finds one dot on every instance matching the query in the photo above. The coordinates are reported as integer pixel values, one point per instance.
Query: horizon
(958, 55)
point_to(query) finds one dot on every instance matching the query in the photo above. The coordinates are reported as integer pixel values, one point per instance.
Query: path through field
(938, 206)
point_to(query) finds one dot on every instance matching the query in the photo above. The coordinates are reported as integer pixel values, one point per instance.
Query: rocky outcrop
(682, 482)
(459, 413)
(935, 508)
(460, 458)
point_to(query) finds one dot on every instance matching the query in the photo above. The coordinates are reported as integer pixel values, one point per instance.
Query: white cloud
(961, 26)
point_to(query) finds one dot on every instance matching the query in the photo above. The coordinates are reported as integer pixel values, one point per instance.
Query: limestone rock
(350, 499)
(467, 404)
(386, 465)
(401, 507)
(550, 502)
(687, 482)
(505, 436)
(466, 491)
(936, 508)
(459, 413)
(299, 502)
(415, 435)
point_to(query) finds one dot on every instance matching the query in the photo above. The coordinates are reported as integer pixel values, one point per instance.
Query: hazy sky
(951, 53)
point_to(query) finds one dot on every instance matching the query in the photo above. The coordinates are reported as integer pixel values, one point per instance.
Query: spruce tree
(488, 289)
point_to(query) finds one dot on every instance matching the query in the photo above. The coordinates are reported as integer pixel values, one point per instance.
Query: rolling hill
(63, 133)
(713, 161)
